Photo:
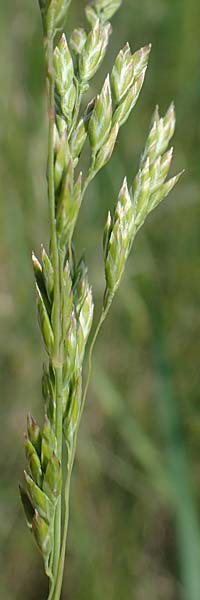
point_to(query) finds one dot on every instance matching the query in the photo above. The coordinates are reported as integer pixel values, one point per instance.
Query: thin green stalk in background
(170, 421)
(64, 296)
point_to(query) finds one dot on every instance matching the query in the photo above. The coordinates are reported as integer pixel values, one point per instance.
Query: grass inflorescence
(64, 295)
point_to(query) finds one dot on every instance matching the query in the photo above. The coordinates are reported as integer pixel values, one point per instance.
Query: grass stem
(57, 362)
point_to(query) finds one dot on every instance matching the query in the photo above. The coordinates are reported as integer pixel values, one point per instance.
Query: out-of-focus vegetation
(134, 531)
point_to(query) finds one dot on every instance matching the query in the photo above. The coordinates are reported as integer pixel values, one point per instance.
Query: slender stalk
(59, 580)
(57, 362)
(90, 356)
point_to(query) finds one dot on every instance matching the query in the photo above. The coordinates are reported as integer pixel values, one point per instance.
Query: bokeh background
(135, 502)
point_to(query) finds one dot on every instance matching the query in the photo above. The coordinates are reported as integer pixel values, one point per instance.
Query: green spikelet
(44, 323)
(53, 478)
(43, 536)
(106, 8)
(39, 500)
(72, 409)
(101, 119)
(48, 273)
(49, 443)
(70, 351)
(117, 242)
(34, 433)
(149, 187)
(28, 508)
(93, 51)
(69, 203)
(64, 77)
(105, 152)
(78, 40)
(33, 462)
(78, 139)
(67, 300)
(124, 109)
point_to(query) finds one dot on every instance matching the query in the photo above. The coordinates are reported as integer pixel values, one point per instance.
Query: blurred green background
(134, 529)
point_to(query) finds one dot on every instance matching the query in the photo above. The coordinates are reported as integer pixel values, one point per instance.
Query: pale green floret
(33, 461)
(48, 273)
(62, 159)
(93, 51)
(48, 392)
(53, 478)
(161, 132)
(124, 109)
(105, 153)
(160, 169)
(64, 77)
(42, 534)
(126, 70)
(34, 433)
(27, 506)
(119, 233)
(85, 323)
(122, 73)
(63, 64)
(140, 60)
(61, 125)
(49, 443)
(39, 499)
(155, 165)
(78, 40)
(67, 301)
(61, 13)
(44, 323)
(70, 350)
(73, 409)
(106, 8)
(101, 119)
(91, 15)
(68, 103)
(163, 192)
(106, 234)
(78, 139)
(54, 14)
(80, 285)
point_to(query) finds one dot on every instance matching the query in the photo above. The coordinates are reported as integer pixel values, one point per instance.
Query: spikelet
(127, 79)
(64, 78)
(105, 115)
(105, 152)
(69, 203)
(149, 188)
(53, 14)
(118, 234)
(101, 118)
(93, 51)
(84, 309)
(42, 485)
(105, 9)
(72, 411)
(78, 40)
(78, 139)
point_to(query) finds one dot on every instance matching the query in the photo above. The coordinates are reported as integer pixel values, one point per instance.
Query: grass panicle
(64, 295)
